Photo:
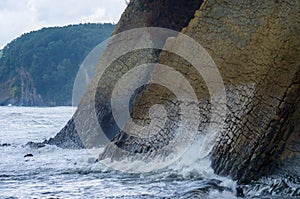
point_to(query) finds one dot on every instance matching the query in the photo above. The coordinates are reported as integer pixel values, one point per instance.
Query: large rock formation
(138, 14)
(255, 43)
(256, 47)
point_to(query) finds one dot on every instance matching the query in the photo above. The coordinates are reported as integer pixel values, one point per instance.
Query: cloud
(21, 16)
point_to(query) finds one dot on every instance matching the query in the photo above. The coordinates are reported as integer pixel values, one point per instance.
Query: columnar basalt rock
(256, 47)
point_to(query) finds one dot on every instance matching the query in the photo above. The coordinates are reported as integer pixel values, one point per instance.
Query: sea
(52, 172)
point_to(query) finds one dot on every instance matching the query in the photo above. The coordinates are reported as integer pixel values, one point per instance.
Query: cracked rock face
(256, 47)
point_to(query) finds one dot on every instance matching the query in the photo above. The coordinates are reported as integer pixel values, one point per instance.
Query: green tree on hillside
(52, 57)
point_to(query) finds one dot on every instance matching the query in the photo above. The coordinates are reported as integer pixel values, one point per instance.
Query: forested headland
(39, 68)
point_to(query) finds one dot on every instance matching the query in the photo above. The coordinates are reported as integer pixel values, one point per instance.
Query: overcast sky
(21, 16)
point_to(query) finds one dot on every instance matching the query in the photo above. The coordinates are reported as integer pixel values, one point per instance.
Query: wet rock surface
(28, 155)
(5, 145)
(284, 186)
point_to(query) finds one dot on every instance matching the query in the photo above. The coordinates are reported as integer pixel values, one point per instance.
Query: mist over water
(65, 173)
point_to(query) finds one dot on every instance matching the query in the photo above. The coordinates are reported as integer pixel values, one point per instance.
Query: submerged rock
(35, 145)
(28, 155)
(5, 145)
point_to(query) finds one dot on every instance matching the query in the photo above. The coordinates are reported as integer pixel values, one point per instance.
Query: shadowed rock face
(172, 14)
(256, 47)
(138, 14)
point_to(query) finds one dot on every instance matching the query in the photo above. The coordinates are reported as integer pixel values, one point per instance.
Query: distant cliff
(39, 68)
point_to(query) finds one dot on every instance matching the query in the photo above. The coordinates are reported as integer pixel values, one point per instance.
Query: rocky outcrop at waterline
(256, 47)
(28, 94)
(255, 44)
(136, 15)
